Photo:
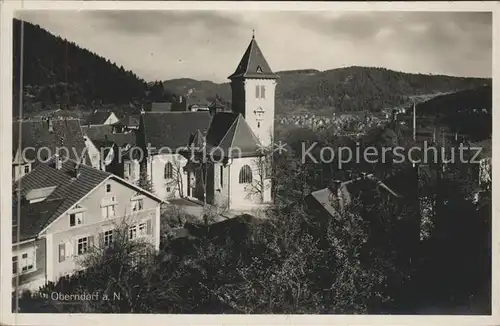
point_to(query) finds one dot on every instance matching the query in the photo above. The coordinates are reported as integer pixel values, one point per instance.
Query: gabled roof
(105, 133)
(98, 117)
(197, 98)
(217, 104)
(35, 133)
(231, 134)
(68, 191)
(253, 64)
(173, 129)
(332, 200)
(197, 140)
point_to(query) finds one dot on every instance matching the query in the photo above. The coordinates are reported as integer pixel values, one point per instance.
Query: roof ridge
(253, 42)
(237, 121)
(227, 131)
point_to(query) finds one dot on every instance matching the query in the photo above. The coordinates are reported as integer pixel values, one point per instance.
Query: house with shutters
(216, 155)
(65, 209)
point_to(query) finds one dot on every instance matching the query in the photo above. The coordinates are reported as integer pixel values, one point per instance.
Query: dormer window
(75, 219)
(76, 216)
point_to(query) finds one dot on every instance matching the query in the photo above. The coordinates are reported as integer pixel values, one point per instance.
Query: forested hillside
(341, 90)
(60, 74)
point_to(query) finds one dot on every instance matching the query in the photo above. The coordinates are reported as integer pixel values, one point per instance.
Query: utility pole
(414, 122)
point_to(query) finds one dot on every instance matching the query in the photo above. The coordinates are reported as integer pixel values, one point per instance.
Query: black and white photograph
(249, 162)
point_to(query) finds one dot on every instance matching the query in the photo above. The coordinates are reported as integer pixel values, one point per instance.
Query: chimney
(76, 170)
(50, 124)
(57, 162)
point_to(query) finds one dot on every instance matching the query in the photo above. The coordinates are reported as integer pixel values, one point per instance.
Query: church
(214, 156)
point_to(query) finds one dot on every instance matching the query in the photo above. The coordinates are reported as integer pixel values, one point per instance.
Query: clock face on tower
(259, 113)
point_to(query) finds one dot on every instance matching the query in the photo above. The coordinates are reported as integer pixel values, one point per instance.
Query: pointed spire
(253, 34)
(253, 64)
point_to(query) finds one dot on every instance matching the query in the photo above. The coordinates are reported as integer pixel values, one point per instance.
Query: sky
(208, 45)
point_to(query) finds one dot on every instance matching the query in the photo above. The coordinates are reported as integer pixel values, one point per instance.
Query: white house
(66, 208)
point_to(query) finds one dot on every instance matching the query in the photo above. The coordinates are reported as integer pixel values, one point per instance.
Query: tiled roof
(225, 130)
(105, 133)
(348, 190)
(97, 132)
(230, 132)
(253, 64)
(98, 117)
(173, 129)
(161, 107)
(35, 133)
(69, 190)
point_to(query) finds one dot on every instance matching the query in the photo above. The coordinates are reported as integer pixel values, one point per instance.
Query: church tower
(253, 86)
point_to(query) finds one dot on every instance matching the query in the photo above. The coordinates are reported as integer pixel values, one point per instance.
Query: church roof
(231, 134)
(253, 64)
(173, 129)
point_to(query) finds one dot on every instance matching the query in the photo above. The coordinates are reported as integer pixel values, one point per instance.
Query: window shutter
(62, 252)
(257, 88)
(67, 250)
(91, 241)
(75, 247)
(101, 239)
(149, 227)
(103, 212)
(263, 91)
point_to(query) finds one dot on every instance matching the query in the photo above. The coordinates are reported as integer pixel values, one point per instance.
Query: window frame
(85, 241)
(245, 175)
(106, 208)
(168, 171)
(24, 262)
(108, 238)
(140, 203)
(132, 235)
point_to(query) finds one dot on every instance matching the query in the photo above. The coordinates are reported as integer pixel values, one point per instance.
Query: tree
(125, 276)
(176, 181)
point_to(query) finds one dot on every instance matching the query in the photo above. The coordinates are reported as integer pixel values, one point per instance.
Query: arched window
(169, 171)
(246, 174)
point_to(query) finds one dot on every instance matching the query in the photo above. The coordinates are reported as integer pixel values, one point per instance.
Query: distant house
(336, 198)
(327, 205)
(99, 117)
(41, 139)
(66, 208)
(192, 101)
(108, 150)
